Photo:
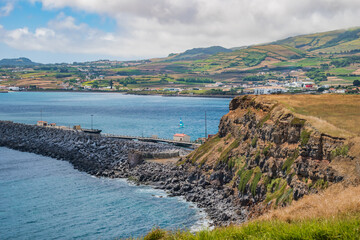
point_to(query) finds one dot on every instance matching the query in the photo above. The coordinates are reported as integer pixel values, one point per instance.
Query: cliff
(270, 155)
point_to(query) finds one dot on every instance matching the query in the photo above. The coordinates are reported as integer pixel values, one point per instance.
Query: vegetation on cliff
(293, 165)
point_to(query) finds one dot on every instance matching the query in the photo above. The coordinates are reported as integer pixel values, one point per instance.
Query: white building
(181, 137)
(14, 88)
(269, 90)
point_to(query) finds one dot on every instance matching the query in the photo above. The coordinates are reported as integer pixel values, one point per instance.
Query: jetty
(181, 140)
(186, 144)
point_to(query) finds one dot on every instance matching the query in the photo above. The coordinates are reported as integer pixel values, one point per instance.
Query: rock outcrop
(267, 156)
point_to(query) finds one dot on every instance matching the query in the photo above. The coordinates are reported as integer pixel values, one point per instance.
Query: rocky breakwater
(90, 153)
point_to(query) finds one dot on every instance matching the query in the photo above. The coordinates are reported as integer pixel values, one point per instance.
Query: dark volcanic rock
(116, 158)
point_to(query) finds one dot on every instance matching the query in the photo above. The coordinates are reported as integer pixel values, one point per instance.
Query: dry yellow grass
(336, 200)
(334, 114)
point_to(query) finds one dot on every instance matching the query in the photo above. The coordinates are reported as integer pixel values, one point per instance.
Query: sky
(55, 31)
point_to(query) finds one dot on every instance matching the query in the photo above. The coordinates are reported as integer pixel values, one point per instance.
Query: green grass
(254, 58)
(277, 190)
(340, 151)
(255, 181)
(225, 154)
(254, 141)
(298, 122)
(204, 148)
(341, 227)
(341, 71)
(289, 162)
(307, 62)
(304, 137)
(244, 179)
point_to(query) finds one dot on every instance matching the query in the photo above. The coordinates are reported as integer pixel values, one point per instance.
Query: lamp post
(205, 126)
(92, 121)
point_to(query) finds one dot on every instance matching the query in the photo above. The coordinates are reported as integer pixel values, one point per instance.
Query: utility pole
(205, 127)
(92, 121)
(41, 115)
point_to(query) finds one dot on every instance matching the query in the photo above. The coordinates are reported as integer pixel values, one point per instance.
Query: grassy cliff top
(333, 114)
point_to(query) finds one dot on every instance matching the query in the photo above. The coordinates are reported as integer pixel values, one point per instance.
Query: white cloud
(6, 10)
(150, 28)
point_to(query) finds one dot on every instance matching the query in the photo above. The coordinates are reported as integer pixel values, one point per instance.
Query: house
(52, 124)
(77, 127)
(14, 88)
(340, 91)
(173, 89)
(269, 90)
(308, 84)
(42, 123)
(181, 137)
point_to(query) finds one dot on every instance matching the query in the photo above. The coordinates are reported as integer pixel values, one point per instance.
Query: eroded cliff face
(268, 155)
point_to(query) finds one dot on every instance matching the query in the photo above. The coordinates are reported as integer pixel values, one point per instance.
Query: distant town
(302, 64)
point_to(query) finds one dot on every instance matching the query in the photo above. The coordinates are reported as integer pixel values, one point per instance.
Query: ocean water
(44, 198)
(117, 113)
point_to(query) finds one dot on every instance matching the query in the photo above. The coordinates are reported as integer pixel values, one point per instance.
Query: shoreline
(115, 158)
(132, 94)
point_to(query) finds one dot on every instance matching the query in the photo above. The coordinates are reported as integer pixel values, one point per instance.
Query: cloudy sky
(80, 30)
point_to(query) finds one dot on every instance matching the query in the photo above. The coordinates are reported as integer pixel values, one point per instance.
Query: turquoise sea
(117, 113)
(44, 198)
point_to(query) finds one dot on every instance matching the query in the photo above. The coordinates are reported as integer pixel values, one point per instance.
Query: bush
(340, 151)
(244, 179)
(266, 150)
(298, 122)
(155, 234)
(254, 141)
(304, 137)
(255, 180)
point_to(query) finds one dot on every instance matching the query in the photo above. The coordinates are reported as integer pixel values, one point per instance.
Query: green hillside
(199, 53)
(327, 42)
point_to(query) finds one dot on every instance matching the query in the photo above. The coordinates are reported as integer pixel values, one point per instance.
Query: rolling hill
(327, 42)
(17, 62)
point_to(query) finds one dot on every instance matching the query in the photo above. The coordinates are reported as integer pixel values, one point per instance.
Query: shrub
(266, 150)
(155, 234)
(277, 190)
(255, 180)
(304, 137)
(244, 179)
(254, 141)
(257, 156)
(340, 151)
(321, 184)
(298, 122)
(289, 161)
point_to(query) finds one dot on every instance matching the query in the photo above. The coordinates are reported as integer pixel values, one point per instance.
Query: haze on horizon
(50, 31)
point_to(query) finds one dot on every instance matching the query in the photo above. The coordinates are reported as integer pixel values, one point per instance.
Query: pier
(156, 140)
